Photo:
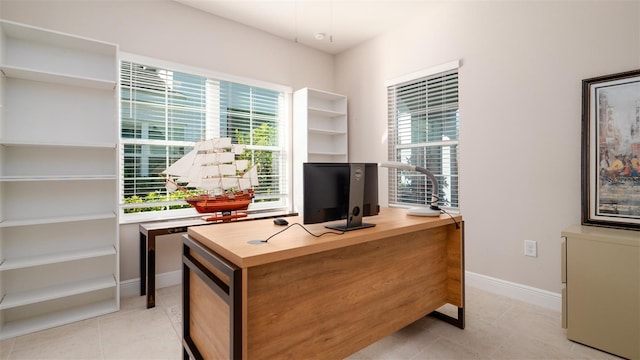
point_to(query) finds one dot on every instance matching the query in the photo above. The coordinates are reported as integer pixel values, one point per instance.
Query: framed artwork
(611, 150)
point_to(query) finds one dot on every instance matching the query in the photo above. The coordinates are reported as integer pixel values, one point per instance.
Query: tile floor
(496, 328)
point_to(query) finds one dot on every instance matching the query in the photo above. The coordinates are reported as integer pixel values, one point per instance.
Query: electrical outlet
(531, 248)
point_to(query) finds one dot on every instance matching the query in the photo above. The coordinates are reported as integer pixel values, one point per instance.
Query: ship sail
(252, 176)
(212, 167)
(182, 167)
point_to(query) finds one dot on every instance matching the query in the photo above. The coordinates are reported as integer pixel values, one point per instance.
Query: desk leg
(143, 264)
(151, 271)
(456, 256)
(459, 322)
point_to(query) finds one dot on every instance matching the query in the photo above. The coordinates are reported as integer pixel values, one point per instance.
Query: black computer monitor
(337, 191)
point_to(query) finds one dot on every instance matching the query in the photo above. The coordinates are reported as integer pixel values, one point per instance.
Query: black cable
(437, 198)
(452, 218)
(445, 212)
(305, 229)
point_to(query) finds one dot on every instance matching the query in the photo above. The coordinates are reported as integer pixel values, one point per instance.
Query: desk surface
(231, 240)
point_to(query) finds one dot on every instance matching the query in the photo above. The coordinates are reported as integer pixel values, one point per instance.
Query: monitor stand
(356, 200)
(349, 227)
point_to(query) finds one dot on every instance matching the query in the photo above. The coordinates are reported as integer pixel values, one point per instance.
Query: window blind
(163, 112)
(423, 119)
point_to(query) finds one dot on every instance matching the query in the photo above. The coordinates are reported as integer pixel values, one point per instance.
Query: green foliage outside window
(262, 136)
(158, 197)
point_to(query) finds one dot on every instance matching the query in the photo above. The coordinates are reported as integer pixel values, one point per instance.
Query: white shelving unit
(58, 179)
(320, 132)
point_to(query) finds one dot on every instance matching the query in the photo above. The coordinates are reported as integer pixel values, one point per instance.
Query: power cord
(452, 218)
(437, 198)
(305, 229)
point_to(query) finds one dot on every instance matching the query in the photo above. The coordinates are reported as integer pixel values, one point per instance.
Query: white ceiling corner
(345, 23)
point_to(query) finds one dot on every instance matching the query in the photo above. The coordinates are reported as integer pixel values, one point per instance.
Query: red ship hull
(205, 204)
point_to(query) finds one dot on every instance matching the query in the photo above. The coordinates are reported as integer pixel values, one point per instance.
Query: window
(423, 131)
(163, 112)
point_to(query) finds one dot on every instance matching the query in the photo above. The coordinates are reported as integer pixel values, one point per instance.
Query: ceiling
(344, 23)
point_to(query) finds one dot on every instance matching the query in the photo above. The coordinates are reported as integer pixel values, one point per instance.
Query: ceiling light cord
(331, 21)
(295, 21)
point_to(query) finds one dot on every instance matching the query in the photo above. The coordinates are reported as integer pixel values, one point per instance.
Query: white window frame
(285, 140)
(421, 198)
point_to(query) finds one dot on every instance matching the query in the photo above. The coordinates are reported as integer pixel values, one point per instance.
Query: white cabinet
(320, 132)
(58, 179)
(601, 295)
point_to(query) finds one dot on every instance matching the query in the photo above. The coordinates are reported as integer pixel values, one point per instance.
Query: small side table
(148, 233)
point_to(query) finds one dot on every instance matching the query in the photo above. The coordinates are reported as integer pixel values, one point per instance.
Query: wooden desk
(303, 297)
(148, 233)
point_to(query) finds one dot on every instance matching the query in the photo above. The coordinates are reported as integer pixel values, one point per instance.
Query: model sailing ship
(227, 184)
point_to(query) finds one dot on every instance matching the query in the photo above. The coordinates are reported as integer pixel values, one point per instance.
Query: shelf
(57, 199)
(27, 48)
(25, 32)
(325, 95)
(39, 112)
(21, 327)
(56, 292)
(58, 178)
(27, 143)
(37, 163)
(328, 158)
(325, 112)
(326, 132)
(53, 220)
(327, 153)
(57, 78)
(28, 261)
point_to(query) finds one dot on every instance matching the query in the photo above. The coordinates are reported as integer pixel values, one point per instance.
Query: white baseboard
(528, 294)
(132, 287)
(517, 291)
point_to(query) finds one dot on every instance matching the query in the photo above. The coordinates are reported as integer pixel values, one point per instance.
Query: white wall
(520, 98)
(173, 32)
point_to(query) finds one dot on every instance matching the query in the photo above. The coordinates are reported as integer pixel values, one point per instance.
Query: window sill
(447, 209)
(192, 214)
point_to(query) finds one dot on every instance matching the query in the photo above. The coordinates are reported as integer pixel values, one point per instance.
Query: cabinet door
(603, 281)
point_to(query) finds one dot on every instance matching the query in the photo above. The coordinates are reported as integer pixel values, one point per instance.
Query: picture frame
(611, 150)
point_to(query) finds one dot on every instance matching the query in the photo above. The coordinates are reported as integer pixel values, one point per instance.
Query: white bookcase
(320, 132)
(58, 179)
